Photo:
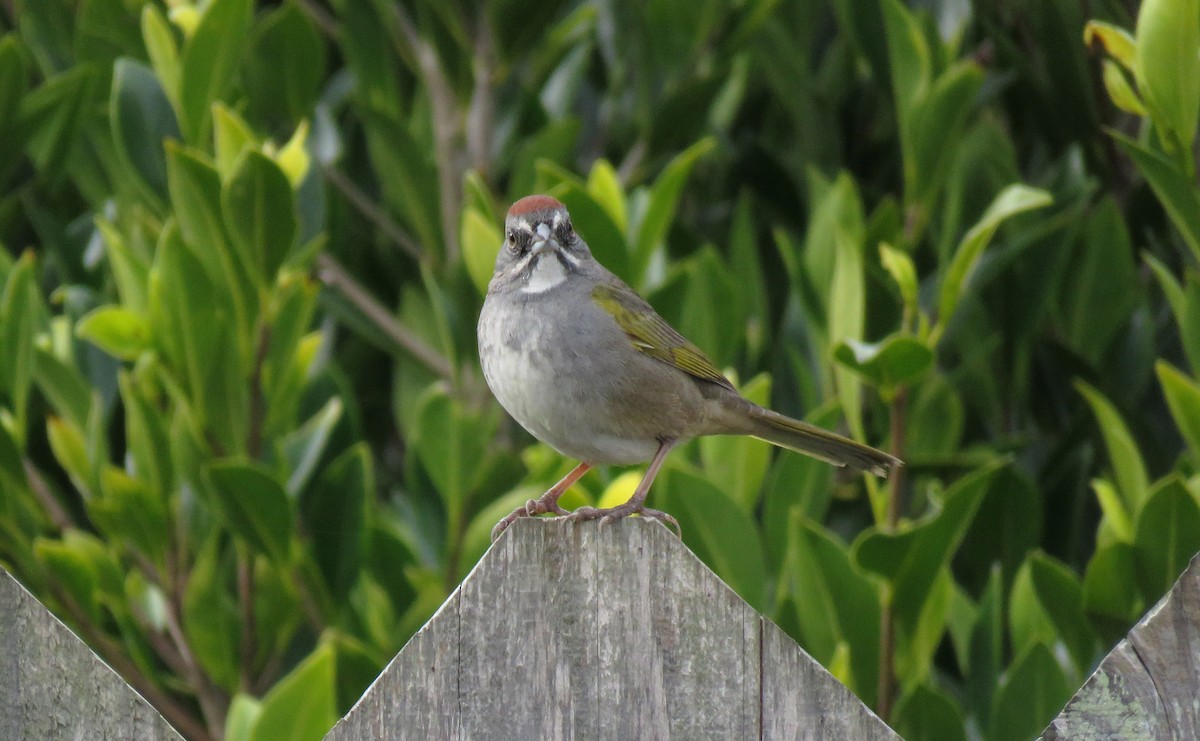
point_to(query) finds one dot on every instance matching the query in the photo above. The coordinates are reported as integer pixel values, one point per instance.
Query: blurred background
(245, 445)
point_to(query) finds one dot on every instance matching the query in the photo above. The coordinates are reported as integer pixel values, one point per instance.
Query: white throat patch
(547, 273)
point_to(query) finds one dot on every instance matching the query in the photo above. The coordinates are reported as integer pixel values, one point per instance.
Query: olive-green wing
(651, 334)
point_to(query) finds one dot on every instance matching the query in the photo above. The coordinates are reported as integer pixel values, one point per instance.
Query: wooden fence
(564, 631)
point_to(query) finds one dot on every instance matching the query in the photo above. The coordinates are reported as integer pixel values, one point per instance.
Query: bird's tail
(803, 437)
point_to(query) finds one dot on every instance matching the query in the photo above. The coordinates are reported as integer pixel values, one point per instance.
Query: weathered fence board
(1148, 687)
(52, 686)
(570, 631)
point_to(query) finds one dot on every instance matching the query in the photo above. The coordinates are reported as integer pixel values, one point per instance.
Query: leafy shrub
(245, 447)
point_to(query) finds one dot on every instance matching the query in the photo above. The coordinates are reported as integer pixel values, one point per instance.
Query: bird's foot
(531, 508)
(609, 515)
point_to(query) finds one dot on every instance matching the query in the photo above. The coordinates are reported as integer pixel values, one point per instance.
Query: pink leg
(636, 504)
(547, 502)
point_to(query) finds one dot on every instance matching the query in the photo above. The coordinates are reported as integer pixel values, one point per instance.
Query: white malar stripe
(547, 273)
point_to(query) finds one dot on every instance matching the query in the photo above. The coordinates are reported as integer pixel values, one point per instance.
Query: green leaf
(142, 120)
(597, 228)
(800, 483)
(720, 533)
(20, 309)
(911, 560)
(1120, 91)
(934, 129)
(210, 60)
(1167, 535)
(210, 618)
(910, 65)
(847, 320)
(1183, 398)
(1116, 517)
(1118, 42)
(64, 387)
(1130, 471)
(1110, 592)
(147, 438)
(605, 186)
(302, 705)
(163, 51)
(1061, 595)
(836, 605)
(1187, 316)
(895, 362)
(481, 241)
(122, 333)
(128, 512)
(986, 649)
(260, 213)
(1176, 191)
(286, 66)
(1012, 200)
(450, 442)
(232, 137)
(14, 84)
(304, 447)
(334, 512)
(1033, 692)
(254, 507)
(1102, 288)
(664, 200)
(196, 195)
(900, 266)
(411, 170)
(243, 714)
(55, 114)
(1167, 67)
(927, 712)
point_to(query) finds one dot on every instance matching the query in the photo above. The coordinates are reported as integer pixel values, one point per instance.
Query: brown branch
(374, 213)
(321, 19)
(331, 273)
(446, 127)
(41, 491)
(245, 580)
(480, 113)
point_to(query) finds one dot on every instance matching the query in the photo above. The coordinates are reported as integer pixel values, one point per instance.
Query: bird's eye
(512, 240)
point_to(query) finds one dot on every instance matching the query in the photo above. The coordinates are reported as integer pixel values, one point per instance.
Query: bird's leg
(636, 504)
(547, 502)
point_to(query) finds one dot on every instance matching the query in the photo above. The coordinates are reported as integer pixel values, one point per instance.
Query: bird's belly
(553, 395)
(556, 409)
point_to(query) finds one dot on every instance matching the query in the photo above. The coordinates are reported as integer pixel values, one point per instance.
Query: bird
(587, 366)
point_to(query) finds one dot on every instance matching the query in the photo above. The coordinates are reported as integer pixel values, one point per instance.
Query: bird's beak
(545, 241)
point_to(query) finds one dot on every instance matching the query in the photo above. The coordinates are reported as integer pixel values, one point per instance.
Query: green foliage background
(245, 446)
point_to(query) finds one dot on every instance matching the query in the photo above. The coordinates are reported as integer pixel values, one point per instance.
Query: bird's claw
(531, 508)
(612, 514)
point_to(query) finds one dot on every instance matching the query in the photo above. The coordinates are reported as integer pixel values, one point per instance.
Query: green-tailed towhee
(588, 367)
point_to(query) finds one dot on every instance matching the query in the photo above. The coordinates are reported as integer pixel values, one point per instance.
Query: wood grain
(567, 630)
(1148, 687)
(52, 686)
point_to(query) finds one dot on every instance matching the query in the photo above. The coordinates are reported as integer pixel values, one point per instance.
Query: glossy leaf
(1167, 66)
(737, 464)
(334, 512)
(911, 559)
(1033, 692)
(19, 316)
(209, 615)
(253, 505)
(929, 713)
(209, 61)
(896, 361)
(1110, 591)
(1174, 190)
(481, 241)
(1167, 535)
(1061, 595)
(664, 200)
(302, 705)
(1123, 454)
(1013, 200)
(836, 605)
(260, 213)
(1183, 398)
(1118, 42)
(143, 120)
(286, 64)
(121, 333)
